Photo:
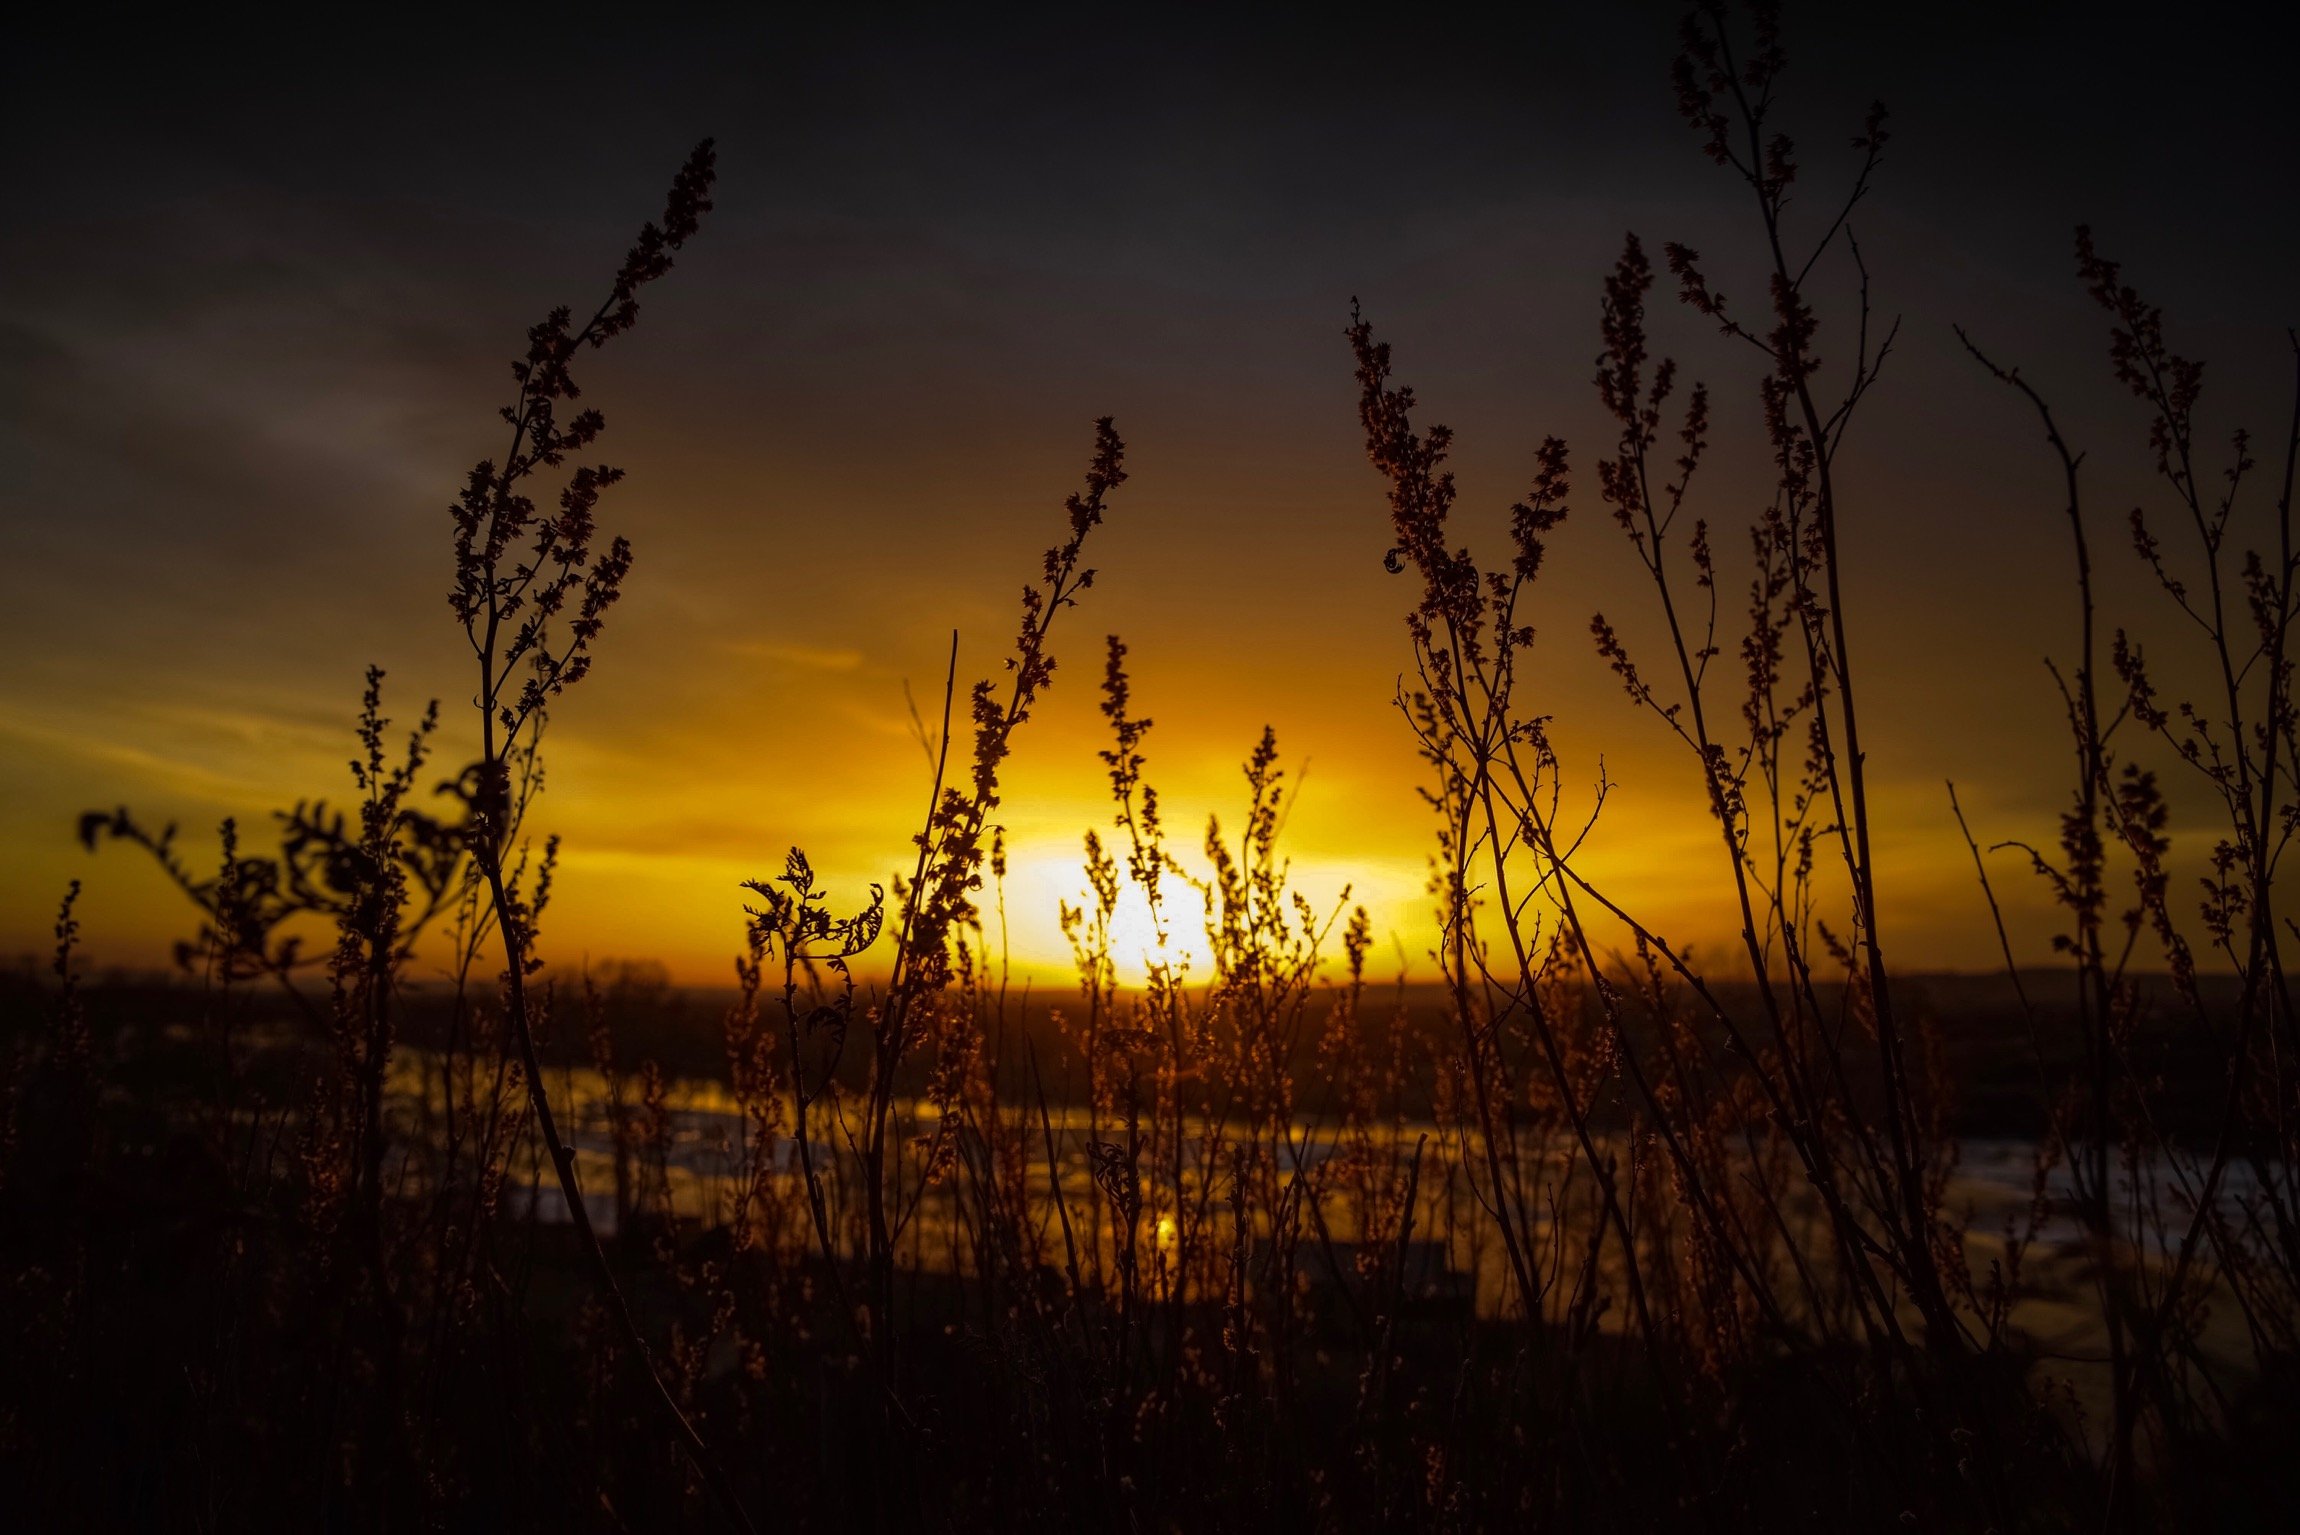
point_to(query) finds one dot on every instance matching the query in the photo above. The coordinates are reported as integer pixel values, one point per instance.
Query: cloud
(799, 657)
(169, 774)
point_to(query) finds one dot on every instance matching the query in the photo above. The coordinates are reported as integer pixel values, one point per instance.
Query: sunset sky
(256, 317)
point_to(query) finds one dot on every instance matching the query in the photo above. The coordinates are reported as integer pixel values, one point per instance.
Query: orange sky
(247, 367)
(752, 699)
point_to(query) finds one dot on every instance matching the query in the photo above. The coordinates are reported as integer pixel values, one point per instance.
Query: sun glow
(1140, 940)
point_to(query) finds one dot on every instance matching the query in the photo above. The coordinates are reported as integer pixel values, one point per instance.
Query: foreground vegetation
(1572, 1240)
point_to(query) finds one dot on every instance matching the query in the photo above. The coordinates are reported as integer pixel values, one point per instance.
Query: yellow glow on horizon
(665, 812)
(1039, 879)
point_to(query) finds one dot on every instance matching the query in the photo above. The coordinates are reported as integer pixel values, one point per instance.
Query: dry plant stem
(1831, 657)
(1465, 1013)
(1624, 309)
(2147, 1343)
(1481, 795)
(801, 1101)
(563, 1164)
(1878, 1190)
(1523, 811)
(1054, 1176)
(492, 516)
(1807, 455)
(1480, 723)
(938, 905)
(1996, 912)
(891, 1043)
(1732, 1242)
(2095, 1001)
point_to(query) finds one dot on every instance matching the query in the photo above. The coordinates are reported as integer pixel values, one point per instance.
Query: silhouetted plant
(2155, 1278)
